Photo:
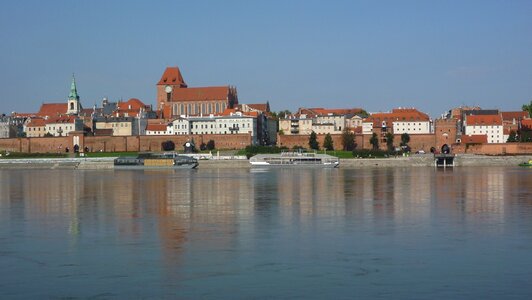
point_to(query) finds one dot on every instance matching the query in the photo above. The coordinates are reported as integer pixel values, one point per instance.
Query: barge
(157, 160)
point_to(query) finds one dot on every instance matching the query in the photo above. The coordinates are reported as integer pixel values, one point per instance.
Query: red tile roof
(52, 109)
(201, 93)
(398, 114)
(526, 124)
(483, 120)
(511, 115)
(263, 107)
(172, 76)
(61, 119)
(156, 127)
(475, 139)
(133, 104)
(36, 122)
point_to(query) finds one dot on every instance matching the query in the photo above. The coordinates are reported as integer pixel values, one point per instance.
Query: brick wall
(120, 143)
(290, 141)
(494, 149)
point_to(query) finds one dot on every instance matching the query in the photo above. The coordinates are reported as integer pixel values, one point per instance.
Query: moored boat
(295, 159)
(157, 160)
(526, 164)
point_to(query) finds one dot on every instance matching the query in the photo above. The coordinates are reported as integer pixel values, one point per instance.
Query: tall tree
(512, 138)
(374, 141)
(313, 141)
(405, 139)
(348, 140)
(389, 141)
(328, 143)
(528, 108)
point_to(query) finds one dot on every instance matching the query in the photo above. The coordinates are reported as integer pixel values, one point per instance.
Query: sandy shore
(426, 160)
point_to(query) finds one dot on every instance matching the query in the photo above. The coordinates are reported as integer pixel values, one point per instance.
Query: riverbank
(424, 160)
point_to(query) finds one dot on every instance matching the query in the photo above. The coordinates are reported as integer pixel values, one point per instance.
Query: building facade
(175, 98)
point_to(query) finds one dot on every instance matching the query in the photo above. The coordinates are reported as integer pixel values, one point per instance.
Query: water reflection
(188, 225)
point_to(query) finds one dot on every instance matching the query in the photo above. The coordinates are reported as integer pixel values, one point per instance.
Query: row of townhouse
(321, 121)
(57, 126)
(231, 122)
(476, 125)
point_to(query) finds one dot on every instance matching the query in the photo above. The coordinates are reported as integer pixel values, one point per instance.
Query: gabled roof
(397, 115)
(526, 124)
(133, 104)
(36, 122)
(61, 119)
(172, 76)
(475, 139)
(156, 127)
(483, 120)
(262, 107)
(514, 115)
(201, 93)
(52, 109)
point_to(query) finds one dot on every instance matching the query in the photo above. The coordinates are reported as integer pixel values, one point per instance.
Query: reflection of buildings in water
(485, 191)
(310, 192)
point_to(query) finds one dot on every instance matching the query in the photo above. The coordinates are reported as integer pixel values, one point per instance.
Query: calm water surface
(398, 233)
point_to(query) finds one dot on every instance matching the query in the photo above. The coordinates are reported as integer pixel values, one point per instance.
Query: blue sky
(433, 55)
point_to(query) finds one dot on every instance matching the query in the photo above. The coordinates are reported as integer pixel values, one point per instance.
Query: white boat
(295, 159)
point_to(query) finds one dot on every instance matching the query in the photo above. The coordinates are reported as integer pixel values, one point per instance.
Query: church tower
(74, 106)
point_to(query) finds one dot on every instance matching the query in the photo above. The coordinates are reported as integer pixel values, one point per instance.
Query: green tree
(283, 114)
(210, 145)
(389, 141)
(48, 135)
(405, 139)
(512, 138)
(374, 141)
(313, 141)
(528, 108)
(328, 143)
(348, 140)
(525, 137)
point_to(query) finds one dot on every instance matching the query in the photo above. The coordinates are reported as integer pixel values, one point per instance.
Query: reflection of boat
(295, 159)
(157, 160)
(526, 164)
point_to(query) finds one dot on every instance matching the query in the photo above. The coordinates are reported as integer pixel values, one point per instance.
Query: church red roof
(52, 109)
(172, 76)
(201, 93)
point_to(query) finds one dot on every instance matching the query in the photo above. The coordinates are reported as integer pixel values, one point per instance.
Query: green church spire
(73, 90)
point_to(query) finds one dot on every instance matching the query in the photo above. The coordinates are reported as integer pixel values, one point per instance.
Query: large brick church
(175, 98)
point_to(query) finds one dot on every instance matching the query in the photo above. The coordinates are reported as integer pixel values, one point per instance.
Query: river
(222, 233)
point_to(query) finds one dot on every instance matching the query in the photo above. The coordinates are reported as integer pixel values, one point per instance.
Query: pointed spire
(73, 90)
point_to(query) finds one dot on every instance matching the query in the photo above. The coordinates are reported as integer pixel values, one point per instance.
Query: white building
(489, 125)
(63, 125)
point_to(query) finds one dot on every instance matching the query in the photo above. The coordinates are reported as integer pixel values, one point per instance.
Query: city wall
(119, 143)
(417, 141)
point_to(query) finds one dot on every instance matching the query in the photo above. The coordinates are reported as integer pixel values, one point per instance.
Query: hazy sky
(377, 55)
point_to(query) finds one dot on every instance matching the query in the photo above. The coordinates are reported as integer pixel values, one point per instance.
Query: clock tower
(74, 106)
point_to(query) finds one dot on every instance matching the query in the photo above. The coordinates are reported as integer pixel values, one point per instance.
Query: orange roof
(511, 115)
(526, 124)
(131, 104)
(201, 93)
(37, 122)
(398, 114)
(61, 119)
(260, 107)
(229, 111)
(475, 139)
(483, 120)
(156, 127)
(172, 76)
(52, 109)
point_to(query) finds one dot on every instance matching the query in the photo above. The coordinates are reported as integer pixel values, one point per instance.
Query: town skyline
(377, 56)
